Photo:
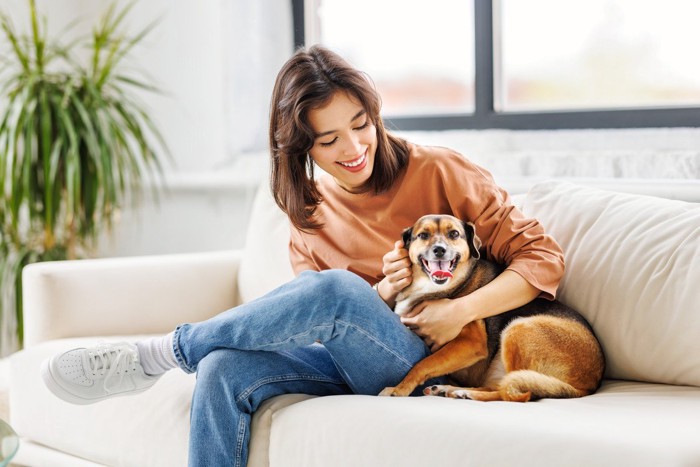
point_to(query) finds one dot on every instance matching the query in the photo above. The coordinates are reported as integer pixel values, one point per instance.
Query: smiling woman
(345, 232)
(309, 86)
(345, 142)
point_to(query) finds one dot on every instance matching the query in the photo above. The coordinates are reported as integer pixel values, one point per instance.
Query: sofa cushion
(625, 423)
(265, 262)
(633, 270)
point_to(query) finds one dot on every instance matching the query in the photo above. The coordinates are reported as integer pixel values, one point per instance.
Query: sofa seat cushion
(625, 423)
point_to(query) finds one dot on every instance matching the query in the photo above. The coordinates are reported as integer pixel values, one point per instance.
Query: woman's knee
(236, 370)
(219, 358)
(226, 375)
(341, 284)
(218, 365)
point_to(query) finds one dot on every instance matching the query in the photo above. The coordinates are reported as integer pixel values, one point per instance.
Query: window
(597, 54)
(431, 45)
(520, 64)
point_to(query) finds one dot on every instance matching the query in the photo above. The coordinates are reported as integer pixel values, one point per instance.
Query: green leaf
(45, 142)
(21, 55)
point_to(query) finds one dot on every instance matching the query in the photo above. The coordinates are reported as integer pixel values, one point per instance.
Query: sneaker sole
(63, 394)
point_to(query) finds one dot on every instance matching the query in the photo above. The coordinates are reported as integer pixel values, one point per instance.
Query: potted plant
(75, 146)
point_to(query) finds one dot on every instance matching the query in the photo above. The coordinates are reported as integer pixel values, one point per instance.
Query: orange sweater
(359, 229)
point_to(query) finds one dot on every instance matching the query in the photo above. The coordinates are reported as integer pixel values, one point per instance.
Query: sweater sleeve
(507, 235)
(299, 256)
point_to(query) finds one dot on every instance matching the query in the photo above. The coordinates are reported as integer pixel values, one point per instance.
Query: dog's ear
(406, 236)
(472, 240)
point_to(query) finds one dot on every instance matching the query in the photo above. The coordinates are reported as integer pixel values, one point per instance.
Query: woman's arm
(299, 256)
(440, 321)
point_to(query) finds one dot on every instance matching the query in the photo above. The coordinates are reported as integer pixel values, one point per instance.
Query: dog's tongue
(439, 269)
(442, 274)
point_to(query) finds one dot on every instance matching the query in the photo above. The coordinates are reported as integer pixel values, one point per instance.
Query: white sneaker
(84, 376)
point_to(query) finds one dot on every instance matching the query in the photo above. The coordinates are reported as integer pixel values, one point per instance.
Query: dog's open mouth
(440, 271)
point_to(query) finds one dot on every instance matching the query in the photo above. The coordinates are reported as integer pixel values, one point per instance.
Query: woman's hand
(435, 321)
(397, 274)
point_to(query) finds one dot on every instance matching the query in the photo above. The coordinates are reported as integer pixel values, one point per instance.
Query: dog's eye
(423, 235)
(454, 234)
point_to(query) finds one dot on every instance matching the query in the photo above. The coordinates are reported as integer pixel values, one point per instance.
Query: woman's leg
(366, 340)
(266, 348)
(368, 343)
(231, 384)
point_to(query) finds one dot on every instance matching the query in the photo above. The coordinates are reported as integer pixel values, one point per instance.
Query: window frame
(485, 116)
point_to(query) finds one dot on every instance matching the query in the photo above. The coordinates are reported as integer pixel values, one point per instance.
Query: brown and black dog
(541, 350)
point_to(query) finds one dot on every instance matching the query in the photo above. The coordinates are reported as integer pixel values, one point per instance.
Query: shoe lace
(116, 361)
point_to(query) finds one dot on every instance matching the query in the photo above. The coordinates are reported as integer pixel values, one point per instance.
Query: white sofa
(633, 269)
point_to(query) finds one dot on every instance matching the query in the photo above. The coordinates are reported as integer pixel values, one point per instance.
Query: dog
(543, 349)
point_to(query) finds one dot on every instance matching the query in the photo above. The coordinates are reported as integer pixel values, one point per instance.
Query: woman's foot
(83, 376)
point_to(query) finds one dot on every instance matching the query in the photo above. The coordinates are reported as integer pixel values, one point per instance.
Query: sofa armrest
(124, 296)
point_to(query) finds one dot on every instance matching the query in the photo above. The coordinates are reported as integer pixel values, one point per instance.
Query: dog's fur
(543, 349)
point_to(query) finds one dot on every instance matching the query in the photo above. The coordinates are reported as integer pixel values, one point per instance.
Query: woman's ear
(472, 239)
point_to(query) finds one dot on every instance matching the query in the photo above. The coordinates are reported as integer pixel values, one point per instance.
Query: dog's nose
(439, 251)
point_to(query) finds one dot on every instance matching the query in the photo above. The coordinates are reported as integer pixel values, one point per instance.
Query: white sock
(156, 354)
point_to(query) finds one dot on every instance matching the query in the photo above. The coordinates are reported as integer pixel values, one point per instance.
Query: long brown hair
(308, 81)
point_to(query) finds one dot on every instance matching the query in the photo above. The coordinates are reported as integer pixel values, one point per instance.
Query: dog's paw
(393, 392)
(446, 391)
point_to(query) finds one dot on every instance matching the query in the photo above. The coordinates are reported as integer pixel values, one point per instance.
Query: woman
(331, 330)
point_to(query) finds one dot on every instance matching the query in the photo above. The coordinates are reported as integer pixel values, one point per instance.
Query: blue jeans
(323, 333)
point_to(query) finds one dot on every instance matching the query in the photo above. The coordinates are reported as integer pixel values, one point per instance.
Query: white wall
(183, 56)
(216, 61)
